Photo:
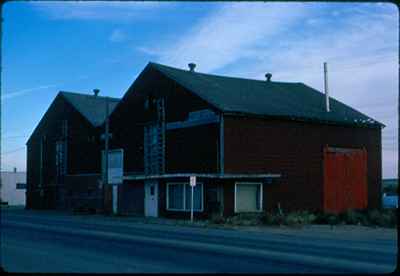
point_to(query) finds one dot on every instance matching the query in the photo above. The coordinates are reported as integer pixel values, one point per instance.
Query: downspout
(326, 87)
(221, 160)
(41, 164)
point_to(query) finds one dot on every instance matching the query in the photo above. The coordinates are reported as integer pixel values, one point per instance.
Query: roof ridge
(219, 76)
(88, 95)
(269, 98)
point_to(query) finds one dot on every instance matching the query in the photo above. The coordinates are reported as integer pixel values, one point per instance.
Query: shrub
(322, 218)
(292, 219)
(385, 218)
(217, 219)
(375, 217)
(299, 218)
(333, 219)
(306, 217)
(393, 217)
(267, 218)
(245, 219)
(349, 217)
(272, 218)
(354, 217)
(279, 219)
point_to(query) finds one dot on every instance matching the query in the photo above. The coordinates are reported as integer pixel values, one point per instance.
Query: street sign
(192, 181)
(103, 136)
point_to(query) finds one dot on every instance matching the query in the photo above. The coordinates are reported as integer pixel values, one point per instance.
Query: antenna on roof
(96, 92)
(192, 66)
(326, 87)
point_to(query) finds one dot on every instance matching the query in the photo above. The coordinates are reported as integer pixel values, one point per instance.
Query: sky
(79, 46)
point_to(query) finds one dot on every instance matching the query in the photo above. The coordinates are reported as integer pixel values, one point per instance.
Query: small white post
(191, 208)
(115, 198)
(192, 184)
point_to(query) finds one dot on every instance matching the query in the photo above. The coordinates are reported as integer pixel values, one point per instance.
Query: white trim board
(195, 118)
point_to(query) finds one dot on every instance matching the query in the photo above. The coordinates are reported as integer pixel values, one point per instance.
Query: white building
(13, 187)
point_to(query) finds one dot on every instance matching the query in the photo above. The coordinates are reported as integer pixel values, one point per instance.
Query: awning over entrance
(202, 175)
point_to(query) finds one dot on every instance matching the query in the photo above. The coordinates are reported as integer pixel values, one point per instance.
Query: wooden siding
(295, 150)
(83, 191)
(131, 198)
(193, 149)
(128, 120)
(83, 151)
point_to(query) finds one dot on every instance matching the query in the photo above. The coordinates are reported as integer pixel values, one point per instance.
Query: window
(61, 164)
(20, 186)
(248, 197)
(196, 197)
(179, 197)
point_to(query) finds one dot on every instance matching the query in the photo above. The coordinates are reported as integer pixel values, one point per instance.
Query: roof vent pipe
(96, 92)
(191, 66)
(326, 87)
(268, 76)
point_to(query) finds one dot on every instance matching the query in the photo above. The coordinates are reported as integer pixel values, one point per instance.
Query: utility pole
(1, 28)
(326, 86)
(106, 147)
(398, 138)
(105, 153)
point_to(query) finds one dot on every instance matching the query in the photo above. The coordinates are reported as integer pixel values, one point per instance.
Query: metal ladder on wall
(61, 165)
(154, 142)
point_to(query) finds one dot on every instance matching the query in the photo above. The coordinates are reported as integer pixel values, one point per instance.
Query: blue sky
(78, 46)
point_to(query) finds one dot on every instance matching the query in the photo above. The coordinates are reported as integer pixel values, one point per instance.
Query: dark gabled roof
(90, 106)
(255, 97)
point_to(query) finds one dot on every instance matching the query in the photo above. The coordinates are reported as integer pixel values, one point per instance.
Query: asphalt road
(40, 241)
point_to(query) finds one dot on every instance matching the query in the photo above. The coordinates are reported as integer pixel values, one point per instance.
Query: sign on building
(192, 181)
(115, 166)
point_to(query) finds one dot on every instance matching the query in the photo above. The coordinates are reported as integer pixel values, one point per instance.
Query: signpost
(114, 173)
(192, 184)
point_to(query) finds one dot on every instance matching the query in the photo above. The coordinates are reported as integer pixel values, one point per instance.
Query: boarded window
(248, 197)
(175, 196)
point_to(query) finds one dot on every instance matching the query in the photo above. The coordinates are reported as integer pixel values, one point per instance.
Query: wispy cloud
(222, 38)
(151, 51)
(98, 10)
(22, 92)
(117, 36)
(360, 43)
